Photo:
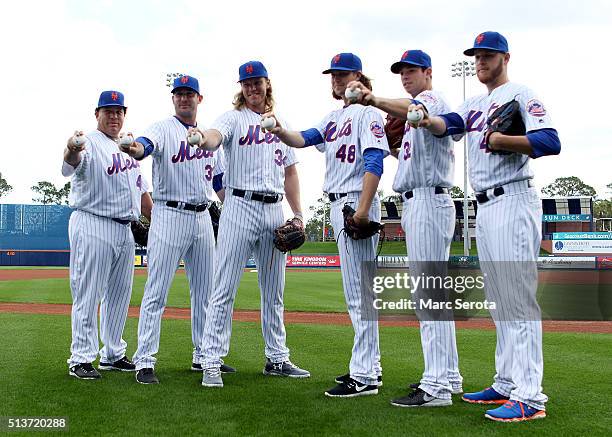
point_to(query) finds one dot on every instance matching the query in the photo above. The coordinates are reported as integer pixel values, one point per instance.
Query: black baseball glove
(215, 216)
(357, 232)
(140, 230)
(506, 120)
(290, 235)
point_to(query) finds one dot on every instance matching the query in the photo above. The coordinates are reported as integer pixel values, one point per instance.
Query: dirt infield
(316, 318)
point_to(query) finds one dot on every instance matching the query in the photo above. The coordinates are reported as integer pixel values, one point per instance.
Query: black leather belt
(122, 222)
(482, 197)
(437, 190)
(187, 206)
(335, 196)
(260, 197)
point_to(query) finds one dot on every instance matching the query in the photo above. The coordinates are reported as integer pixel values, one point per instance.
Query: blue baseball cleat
(486, 396)
(515, 411)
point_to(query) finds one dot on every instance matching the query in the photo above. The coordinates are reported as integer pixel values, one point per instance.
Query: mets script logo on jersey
(119, 166)
(377, 129)
(185, 150)
(331, 132)
(253, 136)
(536, 108)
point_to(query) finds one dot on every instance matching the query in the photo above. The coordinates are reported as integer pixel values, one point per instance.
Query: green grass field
(34, 380)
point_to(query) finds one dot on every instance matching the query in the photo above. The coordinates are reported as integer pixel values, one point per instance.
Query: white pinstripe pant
(246, 226)
(509, 234)
(365, 357)
(429, 222)
(101, 272)
(175, 234)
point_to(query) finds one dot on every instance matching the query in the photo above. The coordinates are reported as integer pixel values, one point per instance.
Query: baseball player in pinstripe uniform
(355, 145)
(107, 193)
(180, 225)
(424, 176)
(260, 172)
(508, 227)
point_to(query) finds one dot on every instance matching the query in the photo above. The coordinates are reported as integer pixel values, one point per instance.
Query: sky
(59, 55)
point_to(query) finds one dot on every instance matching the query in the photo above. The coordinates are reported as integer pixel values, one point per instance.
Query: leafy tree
(568, 186)
(49, 194)
(314, 225)
(456, 192)
(4, 186)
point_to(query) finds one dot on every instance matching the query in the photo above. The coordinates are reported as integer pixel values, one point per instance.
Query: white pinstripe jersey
(425, 160)
(107, 182)
(180, 170)
(486, 169)
(347, 133)
(255, 161)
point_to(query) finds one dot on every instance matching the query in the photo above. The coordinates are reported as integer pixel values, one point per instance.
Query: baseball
(415, 116)
(352, 93)
(78, 140)
(268, 123)
(126, 140)
(195, 138)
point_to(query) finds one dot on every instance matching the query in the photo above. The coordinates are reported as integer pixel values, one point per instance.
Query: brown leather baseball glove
(290, 235)
(394, 129)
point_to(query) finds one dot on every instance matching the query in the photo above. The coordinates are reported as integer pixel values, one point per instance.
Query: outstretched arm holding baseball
(74, 147)
(396, 107)
(209, 139)
(290, 138)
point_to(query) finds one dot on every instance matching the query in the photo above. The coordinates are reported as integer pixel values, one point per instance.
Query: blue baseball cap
(344, 62)
(111, 98)
(489, 41)
(188, 82)
(251, 70)
(412, 57)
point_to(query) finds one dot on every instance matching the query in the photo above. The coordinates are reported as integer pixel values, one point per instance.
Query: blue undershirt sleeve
(148, 147)
(544, 142)
(454, 124)
(217, 182)
(312, 137)
(373, 161)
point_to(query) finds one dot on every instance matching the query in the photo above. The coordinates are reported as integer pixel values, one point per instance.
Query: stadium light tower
(463, 69)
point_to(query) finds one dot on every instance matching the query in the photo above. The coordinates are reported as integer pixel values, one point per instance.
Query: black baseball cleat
(196, 367)
(84, 371)
(351, 389)
(285, 368)
(123, 365)
(456, 389)
(146, 376)
(420, 398)
(344, 378)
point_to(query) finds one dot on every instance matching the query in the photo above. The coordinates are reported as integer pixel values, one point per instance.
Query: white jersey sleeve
(535, 116)
(225, 124)
(372, 131)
